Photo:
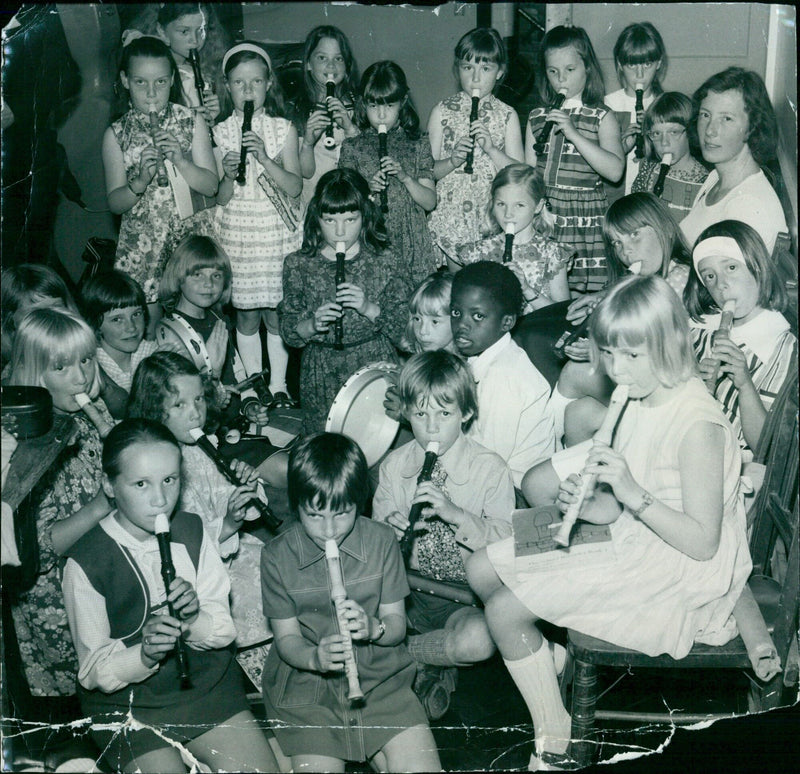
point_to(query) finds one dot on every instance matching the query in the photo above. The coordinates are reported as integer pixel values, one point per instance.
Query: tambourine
(358, 412)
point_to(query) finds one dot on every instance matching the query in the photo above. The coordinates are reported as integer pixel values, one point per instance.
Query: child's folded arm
(104, 663)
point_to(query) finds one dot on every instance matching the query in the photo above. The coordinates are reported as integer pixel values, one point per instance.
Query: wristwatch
(381, 630)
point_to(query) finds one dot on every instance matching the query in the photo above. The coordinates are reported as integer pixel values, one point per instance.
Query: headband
(724, 246)
(131, 34)
(247, 47)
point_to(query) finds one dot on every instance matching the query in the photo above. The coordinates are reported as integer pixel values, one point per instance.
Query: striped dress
(767, 342)
(575, 194)
(250, 229)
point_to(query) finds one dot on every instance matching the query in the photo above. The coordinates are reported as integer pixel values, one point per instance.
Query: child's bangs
(622, 327)
(73, 343)
(624, 219)
(431, 304)
(480, 57)
(339, 197)
(641, 51)
(383, 91)
(198, 262)
(330, 493)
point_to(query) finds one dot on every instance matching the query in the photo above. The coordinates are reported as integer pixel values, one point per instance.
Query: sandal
(280, 400)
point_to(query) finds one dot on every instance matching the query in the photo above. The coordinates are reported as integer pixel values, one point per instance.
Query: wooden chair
(777, 593)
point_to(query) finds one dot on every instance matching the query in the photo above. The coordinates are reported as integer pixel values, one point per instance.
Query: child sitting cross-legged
(467, 505)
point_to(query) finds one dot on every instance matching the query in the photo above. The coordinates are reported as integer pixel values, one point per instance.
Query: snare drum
(357, 411)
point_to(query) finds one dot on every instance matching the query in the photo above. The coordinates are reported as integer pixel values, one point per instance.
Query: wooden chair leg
(584, 698)
(566, 676)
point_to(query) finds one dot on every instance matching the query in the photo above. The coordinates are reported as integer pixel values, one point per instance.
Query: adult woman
(738, 134)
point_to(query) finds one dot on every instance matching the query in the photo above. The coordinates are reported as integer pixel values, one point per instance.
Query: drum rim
(382, 370)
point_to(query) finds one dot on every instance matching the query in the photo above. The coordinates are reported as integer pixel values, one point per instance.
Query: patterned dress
(406, 221)
(767, 343)
(309, 282)
(205, 492)
(461, 216)
(250, 229)
(540, 260)
(40, 620)
(151, 228)
(575, 194)
(681, 186)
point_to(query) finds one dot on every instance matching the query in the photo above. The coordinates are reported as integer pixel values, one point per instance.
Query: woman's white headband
(724, 246)
(247, 47)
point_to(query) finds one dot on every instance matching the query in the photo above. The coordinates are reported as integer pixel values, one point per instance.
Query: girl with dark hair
(304, 683)
(323, 122)
(669, 130)
(370, 303)
(114, 306)
(493, 140)
(405, 175)
(641, 61)
(254, 225)
(134, 157)
(583, 147)
(738, 132)
(745, 368)
(127, 622)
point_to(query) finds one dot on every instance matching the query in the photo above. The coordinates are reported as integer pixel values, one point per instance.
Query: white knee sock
(278, 363)
(558, 405)
(535, 676)
(249, 346)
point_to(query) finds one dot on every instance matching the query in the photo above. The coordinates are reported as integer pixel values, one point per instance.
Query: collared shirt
(477, 480)
(295, 584)
(514, 417)
(110, 664)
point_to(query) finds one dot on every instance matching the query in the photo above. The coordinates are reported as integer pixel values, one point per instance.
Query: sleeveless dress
(151, 228)
(461, 216)
(575, 194)
(650, 597)
(250, 229)
(405, 220)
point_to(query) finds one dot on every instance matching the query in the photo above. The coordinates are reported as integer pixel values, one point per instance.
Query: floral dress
(152, 227)
(461, 216)
(40, 620)
(250, 229)
(540, 260)
(681, 186)
(405, 220)
(309, 282)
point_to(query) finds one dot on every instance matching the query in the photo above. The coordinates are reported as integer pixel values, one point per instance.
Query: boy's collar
(489, 353)
(453, 461)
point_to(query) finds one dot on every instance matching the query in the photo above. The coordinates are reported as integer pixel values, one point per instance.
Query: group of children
(156, 355)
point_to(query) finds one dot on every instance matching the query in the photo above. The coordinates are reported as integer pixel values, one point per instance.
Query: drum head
(358, 412)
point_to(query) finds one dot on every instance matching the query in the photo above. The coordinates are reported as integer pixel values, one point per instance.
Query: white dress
(624, 108)
(249, 227)
(650, 597)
